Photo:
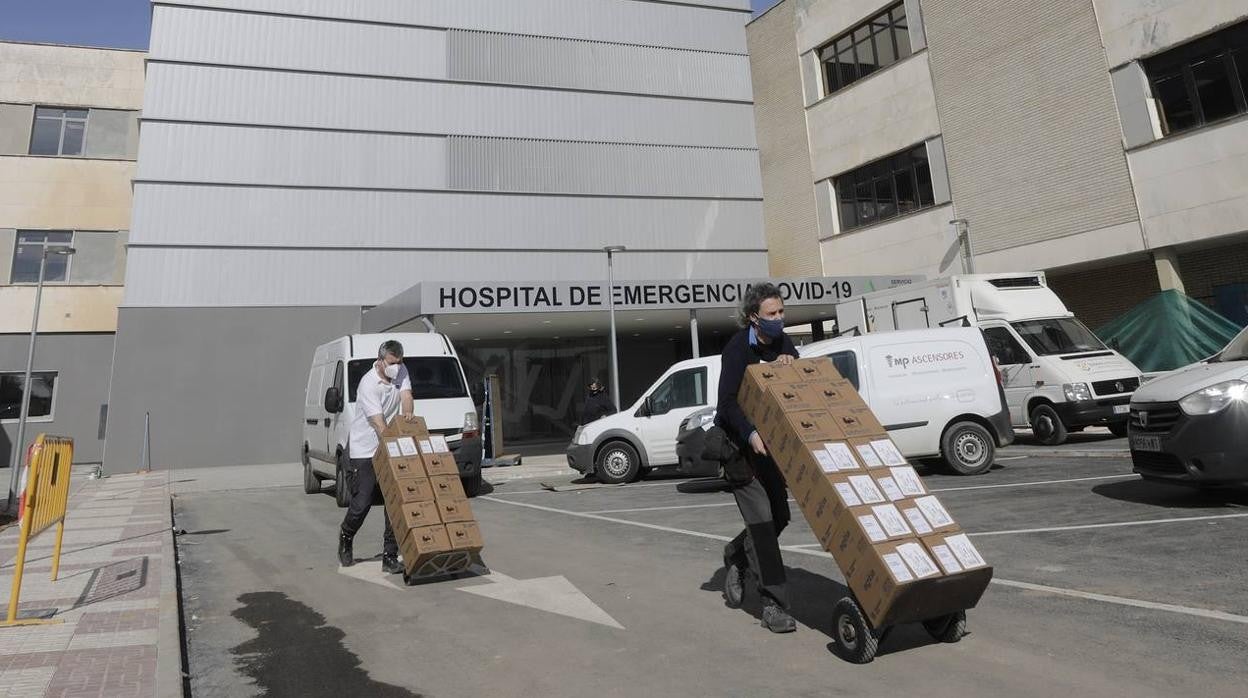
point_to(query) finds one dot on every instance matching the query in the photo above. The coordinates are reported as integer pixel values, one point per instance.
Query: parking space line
(1031, 484)
(804, 550)
(1115, 524)
(607, 487)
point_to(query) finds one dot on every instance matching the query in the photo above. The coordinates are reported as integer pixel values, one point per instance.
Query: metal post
(962, 228)
(145, 460)
(614, 349)
(693, 333)
(18, 446)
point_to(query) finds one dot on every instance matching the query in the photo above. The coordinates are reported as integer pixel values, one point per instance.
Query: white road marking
(1012, 458)
(666, 483)
(370, 571)
(1116, 524)
(550, 594)
(803, 550)
(1032, 484)
(1124, 601)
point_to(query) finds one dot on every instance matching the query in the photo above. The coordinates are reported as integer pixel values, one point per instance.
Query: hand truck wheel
(950, 628)
(852, 635)
(734, 586)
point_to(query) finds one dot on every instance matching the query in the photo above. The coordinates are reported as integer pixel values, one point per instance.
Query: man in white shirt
(383, 392)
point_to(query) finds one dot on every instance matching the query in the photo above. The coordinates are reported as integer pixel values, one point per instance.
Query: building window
(894, 186)
(873, 45)
(58, 131)
(29, 250)
(1201, 82)
(43, 389)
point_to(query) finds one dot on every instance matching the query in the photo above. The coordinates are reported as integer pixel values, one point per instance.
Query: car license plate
(1122, 409)
(1143, 442)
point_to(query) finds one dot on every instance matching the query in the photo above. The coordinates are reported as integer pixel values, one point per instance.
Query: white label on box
(946, 559)
(890, 489)
(848, 494)
(866, 489)
(920, 524)
(888, 452)
(393, 449)
(908, 481)
(426, 446)
(965, 551)
(841, 454)
(872, 528)
(934, 511)
(869, 456)
(892, 520)
(895, 565)
(407, 446)
(918, 560)
(826, 464)
(439, 444)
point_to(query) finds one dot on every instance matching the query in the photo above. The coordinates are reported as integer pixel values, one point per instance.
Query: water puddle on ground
(297, 654)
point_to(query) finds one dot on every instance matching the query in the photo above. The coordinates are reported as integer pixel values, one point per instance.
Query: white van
(439, 389)
(935, 390)
(1058, 376)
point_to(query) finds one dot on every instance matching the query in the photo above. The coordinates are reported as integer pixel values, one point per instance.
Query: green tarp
(1168, 331)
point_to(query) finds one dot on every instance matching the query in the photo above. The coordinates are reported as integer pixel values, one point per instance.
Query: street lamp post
(615, 358)
(18, 444)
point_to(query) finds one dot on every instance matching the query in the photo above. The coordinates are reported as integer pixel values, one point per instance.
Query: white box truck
(1058, 376)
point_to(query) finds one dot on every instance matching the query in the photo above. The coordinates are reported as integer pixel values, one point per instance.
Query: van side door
(313, 409)
(1017, 372)
(665, 407)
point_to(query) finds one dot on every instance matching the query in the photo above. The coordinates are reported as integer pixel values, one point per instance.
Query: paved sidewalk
(117, 597)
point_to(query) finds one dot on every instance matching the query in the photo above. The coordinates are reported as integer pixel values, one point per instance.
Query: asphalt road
(1105, 586)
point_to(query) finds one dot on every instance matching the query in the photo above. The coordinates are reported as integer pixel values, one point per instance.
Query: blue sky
(112, 23)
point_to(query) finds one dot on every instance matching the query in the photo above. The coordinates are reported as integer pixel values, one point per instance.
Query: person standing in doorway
(764, 500)
(597, 402)
(383, 392)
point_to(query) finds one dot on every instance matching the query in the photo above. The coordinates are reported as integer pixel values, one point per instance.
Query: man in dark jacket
(597, 403)
(764, 500)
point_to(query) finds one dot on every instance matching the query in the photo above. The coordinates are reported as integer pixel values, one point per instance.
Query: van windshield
(433, 377)
(1057, 336)
(1237, 350)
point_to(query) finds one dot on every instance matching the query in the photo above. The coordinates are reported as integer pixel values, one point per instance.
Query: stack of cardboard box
(425, 500)
(902, 554)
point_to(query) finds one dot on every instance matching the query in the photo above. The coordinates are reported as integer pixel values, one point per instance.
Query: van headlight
(576, 438)
(701, 419)
(1077, 392)
(1215, 398)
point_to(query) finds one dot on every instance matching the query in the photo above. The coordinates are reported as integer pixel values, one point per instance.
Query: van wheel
(311, 483)
(968, 448)
(342, 492)
(1047, 426)
(617, 463)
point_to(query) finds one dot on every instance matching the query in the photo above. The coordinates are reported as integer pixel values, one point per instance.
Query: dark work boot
(390, 564)
(346, 556)
(776, 619)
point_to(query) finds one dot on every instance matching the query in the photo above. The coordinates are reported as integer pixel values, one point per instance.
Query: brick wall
(1204, 270)
(1097, 296)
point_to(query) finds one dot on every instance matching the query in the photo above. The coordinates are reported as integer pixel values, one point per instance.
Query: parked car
(1190, 426)
(439, 389)
(937, 392)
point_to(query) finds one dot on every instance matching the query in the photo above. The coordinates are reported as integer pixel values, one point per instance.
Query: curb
(1068, 454)
(169, 650)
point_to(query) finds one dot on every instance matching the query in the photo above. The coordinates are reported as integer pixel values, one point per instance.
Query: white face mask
(392, 371)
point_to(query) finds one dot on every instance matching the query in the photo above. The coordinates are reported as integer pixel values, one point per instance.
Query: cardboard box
(396, 468)
(936, 515)
(796, 397)
(465, 536)
(414, 515)
(407, 490)
(440, 464)
(454, 509)
(447, 486)
(808, 426)
(954, 552)
(866, 453)
(423, 544)
(836, 393)
(818, 369)
(757, 379)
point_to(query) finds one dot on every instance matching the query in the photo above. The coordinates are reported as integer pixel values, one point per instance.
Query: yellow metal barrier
(43, 504)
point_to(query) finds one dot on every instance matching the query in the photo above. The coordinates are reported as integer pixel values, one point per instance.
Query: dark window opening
(873, 45)
(28, 252)
(893, 186)
(58, 131)
(43, 387)
(1201, 82)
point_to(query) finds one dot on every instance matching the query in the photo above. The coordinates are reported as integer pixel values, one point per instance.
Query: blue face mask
(771, 329)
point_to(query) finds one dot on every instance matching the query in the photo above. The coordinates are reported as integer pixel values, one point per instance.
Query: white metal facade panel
(1029, 120)
(240, 96)
(183, 214)
(176, 152)
(505, 164)
(624, 21)
(595, 66)
(251, 277)
(296, 43)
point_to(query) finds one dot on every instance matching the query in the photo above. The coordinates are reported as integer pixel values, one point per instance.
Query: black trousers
(364, 490)
(764, 505)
